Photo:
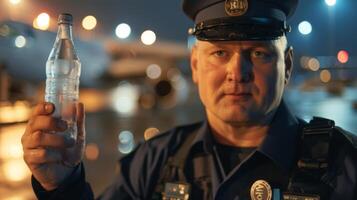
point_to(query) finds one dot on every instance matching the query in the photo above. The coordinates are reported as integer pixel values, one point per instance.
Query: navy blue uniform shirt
(272, 161)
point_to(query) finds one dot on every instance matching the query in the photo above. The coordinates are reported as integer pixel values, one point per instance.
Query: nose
(239, 69)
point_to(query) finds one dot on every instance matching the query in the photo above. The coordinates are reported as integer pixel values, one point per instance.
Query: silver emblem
(236, 7)
(260, 190)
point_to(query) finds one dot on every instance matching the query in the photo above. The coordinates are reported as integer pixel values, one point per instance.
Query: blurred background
(136, 77)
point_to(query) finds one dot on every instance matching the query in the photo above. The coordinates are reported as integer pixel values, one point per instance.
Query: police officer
(249, 147)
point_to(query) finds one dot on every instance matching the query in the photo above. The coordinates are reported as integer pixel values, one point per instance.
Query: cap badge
(236, 7)
(260, 190)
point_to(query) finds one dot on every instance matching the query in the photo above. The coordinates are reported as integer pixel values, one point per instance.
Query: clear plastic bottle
(63, 69)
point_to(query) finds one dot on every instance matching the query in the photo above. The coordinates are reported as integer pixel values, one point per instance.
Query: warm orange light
(15, 170)
(342, 56)
(42, 21)
(10, 146)
(17, 112)
(15, 2)
(89, 22)
(12, 165)
(325, 76)
(147, 101)
(92, 151)
(94, 100)
(151, 132)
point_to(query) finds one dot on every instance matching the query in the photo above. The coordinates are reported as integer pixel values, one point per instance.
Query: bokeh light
(20, 41)
(15, 170)
(313, 64)
(305, 27)
(89, 22)
(42, 21)
(303, 62)
(122, 31)
(12, 167)
(325, 76)
(151, 132)
(126, 142)
(148, 37)
(92, 151)
(147, 101)
(15, 197)
(342, 56)
(4, 30)
(125, 98)
(14, 2)
(330, 2)
(173, 74)
(153, 71)
(18, 112)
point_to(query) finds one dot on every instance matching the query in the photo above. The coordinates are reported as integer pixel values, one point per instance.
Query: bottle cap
(65, 18)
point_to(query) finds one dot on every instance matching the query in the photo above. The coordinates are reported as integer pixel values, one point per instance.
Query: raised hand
(50, 155)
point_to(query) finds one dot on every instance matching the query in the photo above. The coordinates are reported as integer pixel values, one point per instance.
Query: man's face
(241, 82)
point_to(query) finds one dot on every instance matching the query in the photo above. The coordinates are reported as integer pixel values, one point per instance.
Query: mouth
(239, 96)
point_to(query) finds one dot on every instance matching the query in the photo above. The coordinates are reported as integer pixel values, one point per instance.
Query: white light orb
(42, 21)
(89, 22)
(20, 41)
(125, 99)
(153, 71)
(330, 2)
(148, 37)
(122, 31)
(126, 142)
(305, 28)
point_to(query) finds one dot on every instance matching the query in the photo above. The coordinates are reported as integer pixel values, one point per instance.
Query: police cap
(225, 20)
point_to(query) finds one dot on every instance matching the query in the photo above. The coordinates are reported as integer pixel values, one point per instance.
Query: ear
(194, 64)
(289, 57)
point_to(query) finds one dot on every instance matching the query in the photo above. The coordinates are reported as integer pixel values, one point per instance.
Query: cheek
(210, 80)
(211, 75)
(267, 82)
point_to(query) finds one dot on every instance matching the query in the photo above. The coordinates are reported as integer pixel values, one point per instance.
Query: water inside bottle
(62, 86)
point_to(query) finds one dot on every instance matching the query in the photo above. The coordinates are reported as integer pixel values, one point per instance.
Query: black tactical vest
(313, 177)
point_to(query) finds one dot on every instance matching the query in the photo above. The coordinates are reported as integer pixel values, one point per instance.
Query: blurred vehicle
(24, 51)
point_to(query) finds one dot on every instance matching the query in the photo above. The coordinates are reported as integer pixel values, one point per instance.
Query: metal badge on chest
(260, 190)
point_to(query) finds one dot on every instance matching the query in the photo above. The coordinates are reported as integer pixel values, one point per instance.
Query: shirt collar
(204, 139)
(280, 144)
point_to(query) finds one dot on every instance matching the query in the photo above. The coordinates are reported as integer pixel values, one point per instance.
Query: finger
(43, 108)
(41, 140)
(81, 122)
(47, 124)
(41, 156)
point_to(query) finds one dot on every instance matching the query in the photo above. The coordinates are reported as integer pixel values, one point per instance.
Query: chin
(240, 116)
(235, 117)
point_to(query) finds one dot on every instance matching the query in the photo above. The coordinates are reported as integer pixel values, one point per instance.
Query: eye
(220, 53)
(259, 54)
